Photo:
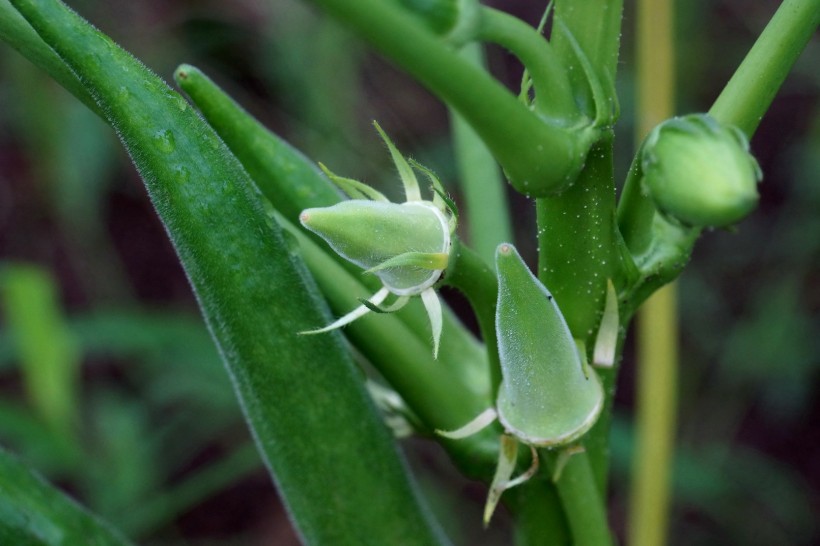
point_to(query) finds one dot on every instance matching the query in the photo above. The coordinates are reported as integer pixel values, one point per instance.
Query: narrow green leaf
(302, 395)
(48, 353)
(32, 512)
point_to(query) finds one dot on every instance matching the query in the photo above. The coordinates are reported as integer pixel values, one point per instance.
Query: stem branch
(553, 92)
(754, 84)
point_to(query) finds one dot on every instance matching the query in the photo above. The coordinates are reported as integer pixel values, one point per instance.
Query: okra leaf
(33, 512)
(302, 395)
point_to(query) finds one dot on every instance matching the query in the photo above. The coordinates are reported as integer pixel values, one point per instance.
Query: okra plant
(300, 282)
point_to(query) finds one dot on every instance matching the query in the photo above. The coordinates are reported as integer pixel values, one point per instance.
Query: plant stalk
(656, 418)
(553, 93)
(657, 362)
(481, 182)
(750, 91)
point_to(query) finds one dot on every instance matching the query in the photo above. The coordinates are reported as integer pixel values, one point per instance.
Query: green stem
(481, 183)
(579, 251)
(553, 93)
(750, 91)
(579, 493)
(657, 363)
(577, 242)
(538, 515)
(476, 280)
(577, 236)
(518, 138)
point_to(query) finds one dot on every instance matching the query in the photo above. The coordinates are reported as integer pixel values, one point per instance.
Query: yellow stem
(657, 319)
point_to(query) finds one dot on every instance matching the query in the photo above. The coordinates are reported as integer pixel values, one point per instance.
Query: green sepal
(408, 177)
(507, 457)
(353, 188)
(424, 260)
(437, 188)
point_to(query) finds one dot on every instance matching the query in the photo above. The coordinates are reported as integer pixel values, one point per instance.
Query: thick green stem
(579, 251)
(553, 93)
(481, 183)
(754, 84)
(519, 139)
(579, 493)
(538, 514)
(577, 243)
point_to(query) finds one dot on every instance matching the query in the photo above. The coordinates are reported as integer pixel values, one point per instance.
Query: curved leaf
(32, 512)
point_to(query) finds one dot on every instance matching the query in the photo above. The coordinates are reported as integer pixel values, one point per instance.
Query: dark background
(157, 444)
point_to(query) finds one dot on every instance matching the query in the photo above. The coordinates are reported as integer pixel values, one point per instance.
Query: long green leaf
(32, 512)
(302, 395)
(49, 355)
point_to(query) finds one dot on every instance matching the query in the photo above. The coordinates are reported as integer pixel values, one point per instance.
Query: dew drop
(182, 174)
(165, 141)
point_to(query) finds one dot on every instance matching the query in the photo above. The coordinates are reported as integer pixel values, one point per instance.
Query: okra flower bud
(372, 233)
(700, 171)
(407, 245)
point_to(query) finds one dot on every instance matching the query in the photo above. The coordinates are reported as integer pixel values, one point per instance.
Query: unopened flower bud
(700, 171)
(407, 245)
(371, 233)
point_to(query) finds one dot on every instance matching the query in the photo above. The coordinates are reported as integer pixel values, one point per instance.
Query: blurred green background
(111, 387)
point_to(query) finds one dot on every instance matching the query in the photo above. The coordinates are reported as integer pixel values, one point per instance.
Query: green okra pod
(302, 396)
(288, 179)
(548, 395)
